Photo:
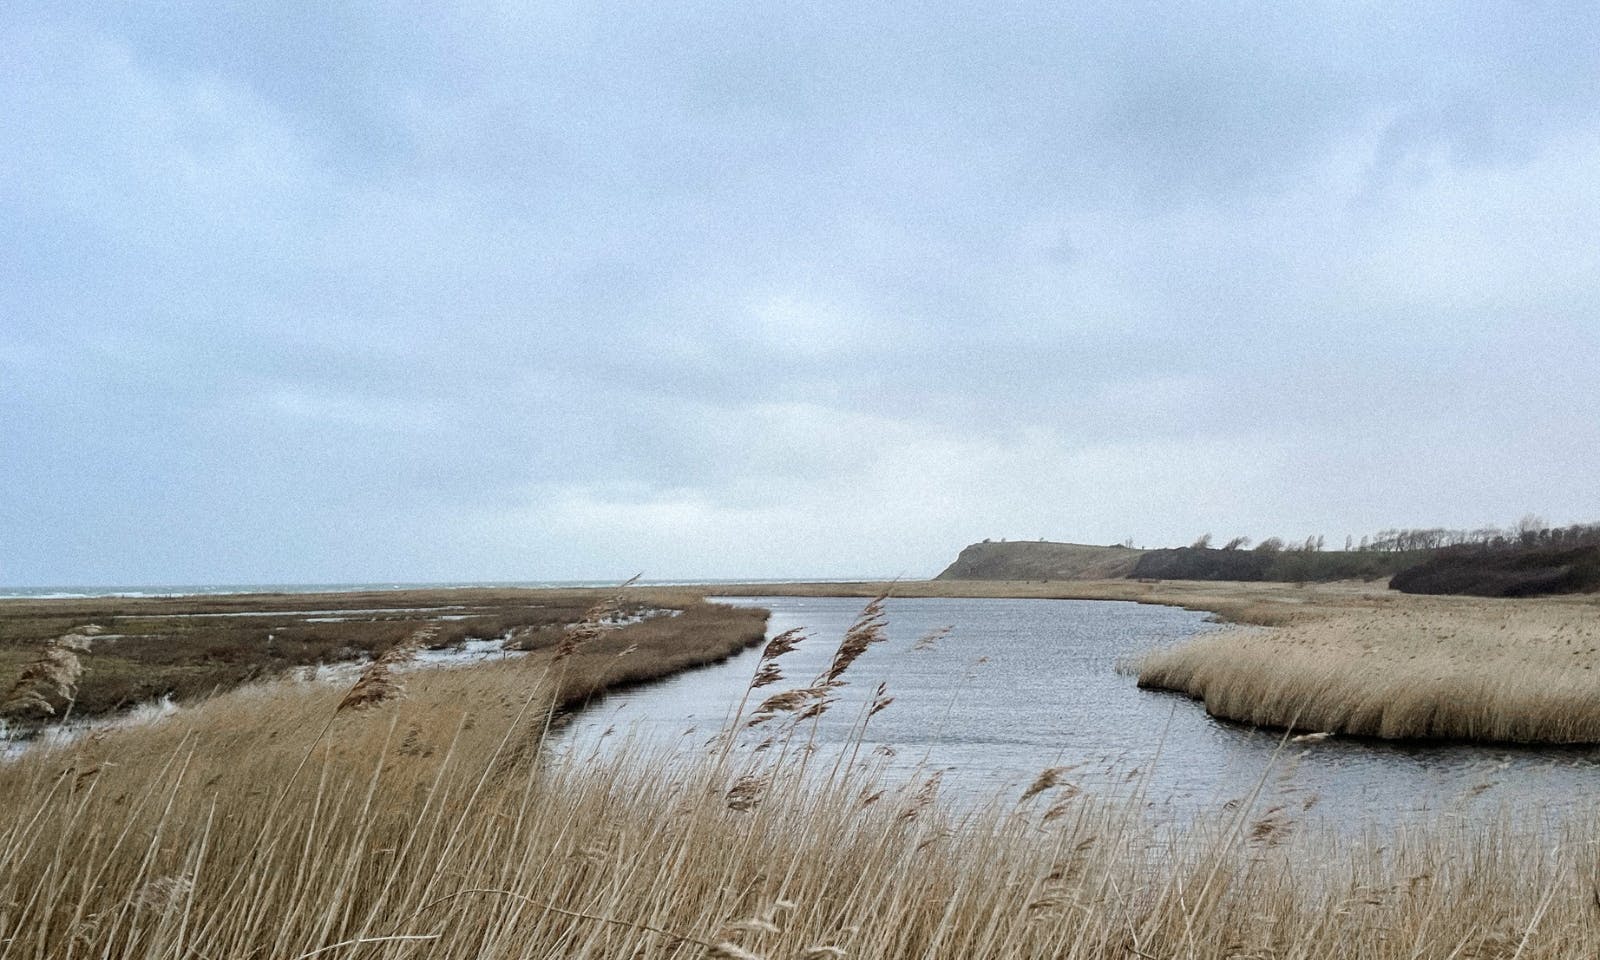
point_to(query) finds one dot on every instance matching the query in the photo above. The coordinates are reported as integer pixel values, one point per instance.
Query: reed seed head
(1047, 778)
(162, 893)
(931, 639)
(597, 620)
(866, 631)
(746, 792)
(783, 643)
(766, 676)
(380, 681)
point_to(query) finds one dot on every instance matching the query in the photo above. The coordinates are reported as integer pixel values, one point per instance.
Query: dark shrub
(1504, 573)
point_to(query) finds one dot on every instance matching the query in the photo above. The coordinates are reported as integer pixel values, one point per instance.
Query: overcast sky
(320, 291)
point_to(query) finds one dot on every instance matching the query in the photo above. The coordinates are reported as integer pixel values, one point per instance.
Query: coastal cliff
(1041, 560)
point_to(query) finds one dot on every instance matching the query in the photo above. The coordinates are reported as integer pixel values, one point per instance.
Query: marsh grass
(1435, 668)
(263, 823)
(190, 647)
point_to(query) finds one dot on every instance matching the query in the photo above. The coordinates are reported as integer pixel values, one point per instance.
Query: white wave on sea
(75, 592)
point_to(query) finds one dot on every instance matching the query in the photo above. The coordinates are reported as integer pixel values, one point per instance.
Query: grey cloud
(540, 288)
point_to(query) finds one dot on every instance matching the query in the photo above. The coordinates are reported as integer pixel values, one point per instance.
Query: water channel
(1020, 685)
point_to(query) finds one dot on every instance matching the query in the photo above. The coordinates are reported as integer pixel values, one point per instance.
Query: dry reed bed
(266, 823)
(1514, 671)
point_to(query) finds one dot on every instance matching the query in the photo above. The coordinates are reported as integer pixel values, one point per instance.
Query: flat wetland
(187, 647)
(442, 813)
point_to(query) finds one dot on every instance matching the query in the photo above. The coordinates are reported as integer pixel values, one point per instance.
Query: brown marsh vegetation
(266, 822)
(1346, 657)
(1394, 666)
(193, 646)
(189, 647)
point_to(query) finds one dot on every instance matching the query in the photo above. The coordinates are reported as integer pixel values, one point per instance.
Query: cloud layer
(320, 291)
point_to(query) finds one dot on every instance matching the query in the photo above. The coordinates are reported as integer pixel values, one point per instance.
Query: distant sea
(202, 589)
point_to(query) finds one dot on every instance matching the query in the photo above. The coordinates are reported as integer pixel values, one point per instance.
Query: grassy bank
(1518, 671)
(189, 647)
(266, 823)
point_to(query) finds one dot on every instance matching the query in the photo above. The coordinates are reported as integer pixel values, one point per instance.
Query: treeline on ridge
(1538, 561)
(1528, 559)
(1271, 562)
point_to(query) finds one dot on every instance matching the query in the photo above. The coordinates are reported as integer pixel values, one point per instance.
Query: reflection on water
(1019, 685)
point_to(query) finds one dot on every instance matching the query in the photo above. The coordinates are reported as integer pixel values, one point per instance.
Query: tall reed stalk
(403, 835)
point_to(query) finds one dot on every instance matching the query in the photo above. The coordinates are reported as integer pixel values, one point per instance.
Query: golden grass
(379, 682)
(1397, 666)
(262, 823)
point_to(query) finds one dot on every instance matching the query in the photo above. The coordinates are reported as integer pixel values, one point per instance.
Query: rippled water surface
(1019, 685)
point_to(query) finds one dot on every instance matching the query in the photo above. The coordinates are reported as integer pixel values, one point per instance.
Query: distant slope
(1499, 571)
(1283, 566)
(1528, 572)
(1039, 560)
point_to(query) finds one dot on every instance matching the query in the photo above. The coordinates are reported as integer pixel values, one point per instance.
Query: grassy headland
(1529, 560)
(267, 823)
(1041, 560)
